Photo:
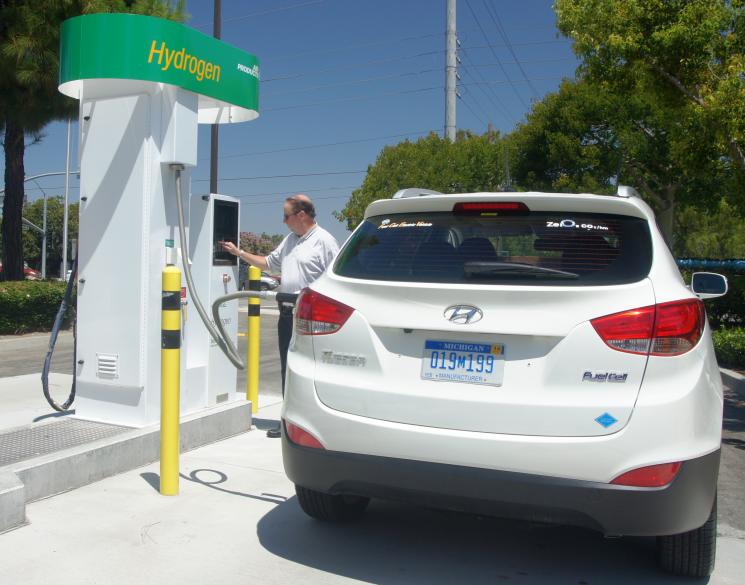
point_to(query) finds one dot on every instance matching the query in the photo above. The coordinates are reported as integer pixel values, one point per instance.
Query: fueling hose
(218, 334)
(53, 341)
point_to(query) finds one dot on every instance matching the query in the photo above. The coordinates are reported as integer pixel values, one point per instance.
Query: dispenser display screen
(225, 229)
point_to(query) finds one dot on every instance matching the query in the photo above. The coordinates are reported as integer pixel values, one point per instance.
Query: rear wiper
(509, 269)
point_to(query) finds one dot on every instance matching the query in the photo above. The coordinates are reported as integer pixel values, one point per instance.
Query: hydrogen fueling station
(144, 84)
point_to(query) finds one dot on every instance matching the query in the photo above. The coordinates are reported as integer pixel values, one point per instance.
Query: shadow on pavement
(396, 544)
(264, 424)
(54, 415)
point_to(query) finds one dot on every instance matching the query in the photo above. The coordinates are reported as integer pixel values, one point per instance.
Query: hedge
(30, 305)
(729, 345)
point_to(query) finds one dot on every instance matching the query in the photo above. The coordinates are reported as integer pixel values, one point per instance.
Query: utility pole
(216, 32)
(450, 73)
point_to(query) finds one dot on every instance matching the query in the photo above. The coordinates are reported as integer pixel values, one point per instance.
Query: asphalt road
(25, 355)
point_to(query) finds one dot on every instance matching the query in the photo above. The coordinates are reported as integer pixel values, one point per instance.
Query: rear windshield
(536, 248)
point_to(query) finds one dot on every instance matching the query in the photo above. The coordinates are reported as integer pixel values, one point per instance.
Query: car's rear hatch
(461, 321)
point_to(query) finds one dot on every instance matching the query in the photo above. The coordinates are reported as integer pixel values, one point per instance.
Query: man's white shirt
(301, 260)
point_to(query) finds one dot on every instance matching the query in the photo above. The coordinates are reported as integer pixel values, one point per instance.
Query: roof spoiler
(626, 192)
(414, 192)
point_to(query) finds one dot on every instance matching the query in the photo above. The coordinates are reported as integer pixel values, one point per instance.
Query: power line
(282, 176)
(347, 48)
(355, 82)
(275, 201)
(322, 145)
(296, 191)
(465, 103)
(500, 29)
(486, 38)
(261, 13)
(315, 72)
(351, 99)
(496, 100)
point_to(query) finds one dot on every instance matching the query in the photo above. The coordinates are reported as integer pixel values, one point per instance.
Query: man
(300, 258)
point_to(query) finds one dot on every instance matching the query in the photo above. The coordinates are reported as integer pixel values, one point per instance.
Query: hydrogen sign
(145, 48)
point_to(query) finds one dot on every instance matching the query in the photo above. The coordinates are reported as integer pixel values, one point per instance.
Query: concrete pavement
(236, 520)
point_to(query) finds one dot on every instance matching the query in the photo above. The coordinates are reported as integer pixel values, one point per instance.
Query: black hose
(53, 341)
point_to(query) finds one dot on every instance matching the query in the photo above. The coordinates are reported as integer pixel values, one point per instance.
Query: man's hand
(230, 247)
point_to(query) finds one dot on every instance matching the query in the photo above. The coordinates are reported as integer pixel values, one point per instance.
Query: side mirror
(708, 285)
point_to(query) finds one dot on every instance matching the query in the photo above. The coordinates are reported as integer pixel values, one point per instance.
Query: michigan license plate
(463, 361)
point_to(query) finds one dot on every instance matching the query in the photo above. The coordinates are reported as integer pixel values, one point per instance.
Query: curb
(62, 471)
(734, 381)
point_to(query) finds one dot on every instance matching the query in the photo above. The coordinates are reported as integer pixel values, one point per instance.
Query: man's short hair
(302, 203)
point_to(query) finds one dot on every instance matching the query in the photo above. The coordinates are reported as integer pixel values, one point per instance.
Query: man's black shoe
(274, 433)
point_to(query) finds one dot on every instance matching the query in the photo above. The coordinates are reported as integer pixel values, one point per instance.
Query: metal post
(63, 269)
(170, 381)
(254, 329)
(214, 134)
(450, 73)
(44, 241)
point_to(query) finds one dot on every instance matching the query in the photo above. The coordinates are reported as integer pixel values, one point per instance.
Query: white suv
(527, 355)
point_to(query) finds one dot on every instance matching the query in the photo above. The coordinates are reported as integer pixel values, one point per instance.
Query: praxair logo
(613, 377)
(253, 71)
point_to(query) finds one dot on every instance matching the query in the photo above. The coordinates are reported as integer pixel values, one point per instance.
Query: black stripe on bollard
(254, 310)
(171, 300)
(170, 339)
(254, 284)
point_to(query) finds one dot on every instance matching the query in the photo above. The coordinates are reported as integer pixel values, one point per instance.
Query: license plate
(463, 361)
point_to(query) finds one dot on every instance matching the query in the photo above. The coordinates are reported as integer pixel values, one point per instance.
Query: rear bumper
(683, 505)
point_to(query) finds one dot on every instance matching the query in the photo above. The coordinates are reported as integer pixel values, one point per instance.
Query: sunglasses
(287, 215)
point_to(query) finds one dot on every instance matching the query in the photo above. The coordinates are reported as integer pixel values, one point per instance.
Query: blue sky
(340, 79)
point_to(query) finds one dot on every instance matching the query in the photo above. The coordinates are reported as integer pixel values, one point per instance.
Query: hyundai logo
(463, 314)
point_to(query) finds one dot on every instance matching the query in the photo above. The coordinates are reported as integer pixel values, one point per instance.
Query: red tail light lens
(479, 207)
(651, 476)
(678, 326)
(666, 329)
(629, 331)
(302, 437)
(318, 314)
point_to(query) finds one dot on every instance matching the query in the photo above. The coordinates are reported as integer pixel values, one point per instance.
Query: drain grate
(29, 442)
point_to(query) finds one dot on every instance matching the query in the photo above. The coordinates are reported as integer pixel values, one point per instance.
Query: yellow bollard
(254, 329)
(170, 382)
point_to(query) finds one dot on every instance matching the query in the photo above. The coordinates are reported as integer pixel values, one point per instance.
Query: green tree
(29, 100)
(34, 212)
(471, 163)
(587, 137)
(685, 55)
(718, 233)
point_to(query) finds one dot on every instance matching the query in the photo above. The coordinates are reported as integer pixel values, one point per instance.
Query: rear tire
(330, 508)
(691, 554)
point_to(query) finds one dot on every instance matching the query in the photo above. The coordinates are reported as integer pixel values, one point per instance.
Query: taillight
(318, 314)
(678, 327)
(650, 476)
(301, 437)
(666, 329)
(489, 207)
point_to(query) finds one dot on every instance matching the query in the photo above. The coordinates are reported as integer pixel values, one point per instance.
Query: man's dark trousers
(284, 334)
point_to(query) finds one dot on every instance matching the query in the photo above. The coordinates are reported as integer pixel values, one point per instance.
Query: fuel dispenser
(144, 84)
